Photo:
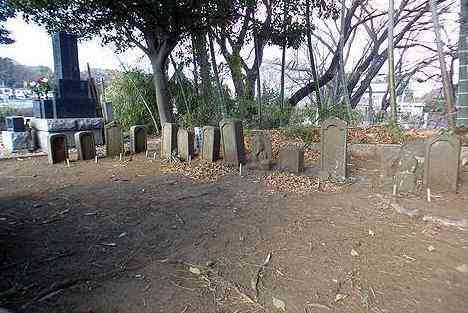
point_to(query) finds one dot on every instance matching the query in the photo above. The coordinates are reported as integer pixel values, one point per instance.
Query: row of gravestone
(86, 146)
(230, 136)
(435, 161)
(181, 142)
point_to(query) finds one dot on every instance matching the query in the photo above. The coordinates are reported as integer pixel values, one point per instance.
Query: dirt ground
(121, 236)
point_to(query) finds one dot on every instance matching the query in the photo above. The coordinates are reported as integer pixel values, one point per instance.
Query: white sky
(33, 46)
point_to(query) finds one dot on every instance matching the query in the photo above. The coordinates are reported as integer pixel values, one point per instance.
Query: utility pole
(462, 113)
(391, 64)
(448, 95)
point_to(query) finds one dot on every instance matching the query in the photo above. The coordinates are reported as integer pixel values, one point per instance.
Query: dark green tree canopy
(126, 23)
(5, 13)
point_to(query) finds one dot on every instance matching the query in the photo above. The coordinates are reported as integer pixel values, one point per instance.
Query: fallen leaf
(279, 304)
(194, 270)
(354, 252)
(462, 268)
(371, 233)
(340, 297)
(430, 248)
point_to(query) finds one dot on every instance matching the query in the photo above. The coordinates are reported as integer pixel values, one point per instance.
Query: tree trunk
(195, 67)
(201, 56)
(448, 95)
(283, 56)
(462, 113)
(257, 67)
(391, 64)
(237, 76)
(313, 68)
(214, 66)
(158, 63)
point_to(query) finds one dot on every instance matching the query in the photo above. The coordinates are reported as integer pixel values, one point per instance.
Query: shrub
(128, 93)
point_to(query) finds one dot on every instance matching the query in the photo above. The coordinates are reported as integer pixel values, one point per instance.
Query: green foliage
(5, 13)
(128, 93)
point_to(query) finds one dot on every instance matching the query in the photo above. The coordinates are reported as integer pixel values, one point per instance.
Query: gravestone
(211, 143)
(15, 123)
(113, 135)
(138, 141)
(292, 159)
(442, 162)
(261, 146)
(185, 144)
(333, 145)
(57, 148)
(85, 145)
(72, 96)
(168, 140)
(232, 136)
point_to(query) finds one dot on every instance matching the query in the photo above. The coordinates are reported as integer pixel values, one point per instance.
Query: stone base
(67, 126)
(15, 141)
(42, 138)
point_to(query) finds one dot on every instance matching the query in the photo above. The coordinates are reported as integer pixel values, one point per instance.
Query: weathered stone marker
(168, 140)
(442, 163)
(333, 148)
(211, 143)
(261, 146)
(185, 144)
(292, 159)
(85, 145)
(232, 136)
(114, 145)
(57, 148)
(138, 139)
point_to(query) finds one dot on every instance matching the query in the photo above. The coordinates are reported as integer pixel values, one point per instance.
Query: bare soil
(121, 236)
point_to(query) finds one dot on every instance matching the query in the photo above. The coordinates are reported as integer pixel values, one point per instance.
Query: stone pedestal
(232, 136)
(211, 143)
(66, 126)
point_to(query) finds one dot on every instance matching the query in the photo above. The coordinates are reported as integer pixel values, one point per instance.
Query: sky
(33, 46)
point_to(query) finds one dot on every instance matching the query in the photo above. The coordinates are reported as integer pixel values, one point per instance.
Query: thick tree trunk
(201, 56)
(237, 76)
(158, 63)
(462, 113)
(448, 95)
(313, 68)
(214, 66)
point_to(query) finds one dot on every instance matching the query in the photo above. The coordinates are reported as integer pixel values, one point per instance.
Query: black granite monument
(72, 98)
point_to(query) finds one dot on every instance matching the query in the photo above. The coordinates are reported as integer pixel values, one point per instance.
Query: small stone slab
(261, 146)
(185, 144)
(168, 140)
(442, 162)
(57, 148)
(292, 159)
(114, 145)
(138, 140)
(333, 145)
(232, 136)
(211, 143)
(85, 145)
